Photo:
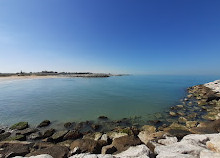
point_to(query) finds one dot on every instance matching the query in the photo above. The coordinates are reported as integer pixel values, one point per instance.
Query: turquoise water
(80, 99)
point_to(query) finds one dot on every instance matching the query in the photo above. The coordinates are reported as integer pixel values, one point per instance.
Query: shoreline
(50, 76)
(193, 123)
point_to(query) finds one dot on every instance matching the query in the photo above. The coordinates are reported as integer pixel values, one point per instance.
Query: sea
(79, 99)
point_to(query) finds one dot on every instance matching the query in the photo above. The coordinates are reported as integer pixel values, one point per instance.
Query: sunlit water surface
(80, 99)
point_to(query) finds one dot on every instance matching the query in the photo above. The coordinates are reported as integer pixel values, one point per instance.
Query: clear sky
(116, 36)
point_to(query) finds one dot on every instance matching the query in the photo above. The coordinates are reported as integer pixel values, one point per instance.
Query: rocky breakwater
(191, 130)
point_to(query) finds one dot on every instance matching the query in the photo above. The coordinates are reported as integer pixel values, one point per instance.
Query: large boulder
(27, 131)
(55, 151)
(87, 145)
(4, 135)
(58, 136)
(145, 136)
(123, 143)
(73, 135)
(14, 148)
(140, 151)
(48, 133)
(44, 123)
(20, 125)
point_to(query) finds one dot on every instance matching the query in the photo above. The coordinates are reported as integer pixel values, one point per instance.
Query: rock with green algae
(17, 137)
(20, 126)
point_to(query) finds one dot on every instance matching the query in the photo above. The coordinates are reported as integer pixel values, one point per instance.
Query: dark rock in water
(11, 149)
(68, 125)
(72, 135)
(17, 137)
(48, 133)
(27, 131)
(44, 123)
(87, 145)
(2, 131)
(20, 125)
(123, 143)
(55, 151)
(35, 136)
(58, 136)
(155, 122)
(103, 117)
(4, 135)
(95, 127)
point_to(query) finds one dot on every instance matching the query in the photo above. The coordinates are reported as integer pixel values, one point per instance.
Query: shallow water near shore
(81, 99)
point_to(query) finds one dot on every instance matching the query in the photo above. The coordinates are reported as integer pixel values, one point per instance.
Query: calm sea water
(80, 99)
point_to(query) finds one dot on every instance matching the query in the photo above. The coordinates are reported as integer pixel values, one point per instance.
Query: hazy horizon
(134, 37)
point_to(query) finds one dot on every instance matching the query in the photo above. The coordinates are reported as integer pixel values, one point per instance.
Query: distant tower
(21, 72)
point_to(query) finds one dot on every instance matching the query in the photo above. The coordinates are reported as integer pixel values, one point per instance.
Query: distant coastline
(52, 74)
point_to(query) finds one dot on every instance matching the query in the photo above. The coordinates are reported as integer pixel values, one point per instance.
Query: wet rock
(68, 125)
(35, 136)
(44, 123)
(55, 151)
(94, 136)
(140, 151)
(48, 133)
(123, 143)
(17, 137)
(27, 131)
(179, 106)
(181, 113)
(177, 130)
(172, 113)
(87, 145)
(126, 130)
(95, 127)
(182, 120)
(58, 136)
(2, 131)
(72, 135)
(109, 149)
(103, 117)
(4, 135)
(154, 122)
(20, 126)
(14, 148)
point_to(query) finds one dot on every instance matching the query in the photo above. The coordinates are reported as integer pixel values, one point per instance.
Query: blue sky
(117, 36)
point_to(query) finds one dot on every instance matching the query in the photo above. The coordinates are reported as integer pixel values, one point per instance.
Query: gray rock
(168, 140)
(140, 151)
(44, 123)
